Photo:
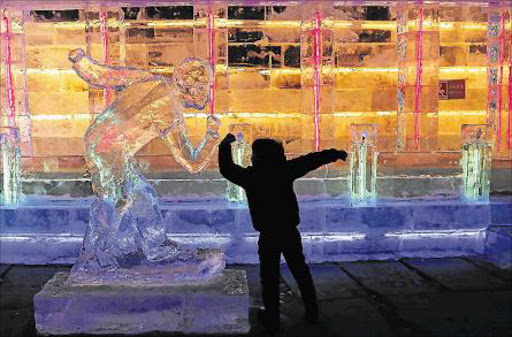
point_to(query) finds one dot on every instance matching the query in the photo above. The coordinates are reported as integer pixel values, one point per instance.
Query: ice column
(11, 165)
(210, 36)
(241, 152)
(105, 37)
(497, 45)
(401, 46)
(476, 159)
(317, 71)
(14, 106)
(363, 163)
(418, 75)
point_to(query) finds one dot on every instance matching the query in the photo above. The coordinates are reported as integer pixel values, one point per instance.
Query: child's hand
(230, 138)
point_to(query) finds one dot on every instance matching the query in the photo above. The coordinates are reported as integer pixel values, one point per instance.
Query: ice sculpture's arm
(229, 170)
(193, 159)
(103, 76)
(302, 165)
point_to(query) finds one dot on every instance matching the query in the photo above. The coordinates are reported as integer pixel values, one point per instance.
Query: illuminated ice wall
(302, 72)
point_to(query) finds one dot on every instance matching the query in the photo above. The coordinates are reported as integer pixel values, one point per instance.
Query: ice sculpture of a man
(126, 231)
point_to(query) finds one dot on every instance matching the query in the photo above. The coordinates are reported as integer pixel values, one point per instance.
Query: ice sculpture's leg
(95, 254)
(126, 225)
(142, 213)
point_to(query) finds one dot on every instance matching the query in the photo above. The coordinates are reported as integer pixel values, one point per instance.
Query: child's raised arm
(302, 165)
(229, 170)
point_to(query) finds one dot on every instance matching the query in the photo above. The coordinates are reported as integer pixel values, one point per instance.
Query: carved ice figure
(126, 233)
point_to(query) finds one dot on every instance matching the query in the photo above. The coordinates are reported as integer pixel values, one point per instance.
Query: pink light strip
(105, 45)
(419, 76)
(211, 57)
(316, 77)
(500, 80)
(509, 119)
(11, 117)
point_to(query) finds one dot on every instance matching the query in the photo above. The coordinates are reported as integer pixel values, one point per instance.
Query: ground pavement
(409, 297)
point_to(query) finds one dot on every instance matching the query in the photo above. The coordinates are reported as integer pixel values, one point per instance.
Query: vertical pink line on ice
(105, 46)
(11, 99)
(501, 60)
(509, 119)
(317, 77)
(419, 75)
(211, 57)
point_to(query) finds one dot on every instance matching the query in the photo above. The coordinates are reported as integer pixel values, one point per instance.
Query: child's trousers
(270, 246)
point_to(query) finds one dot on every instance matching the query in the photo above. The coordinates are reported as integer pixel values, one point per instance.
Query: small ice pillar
(363, 163)
(476, 156)
(241, 152)
(11, 165)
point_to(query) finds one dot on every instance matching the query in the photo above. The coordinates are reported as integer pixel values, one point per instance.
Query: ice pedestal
(497, 245)
(219, 306)
(11, 165)
(363, 164)
(476, 154)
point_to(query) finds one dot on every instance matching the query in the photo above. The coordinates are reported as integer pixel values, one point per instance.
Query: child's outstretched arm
(300, 166)
(229, 170)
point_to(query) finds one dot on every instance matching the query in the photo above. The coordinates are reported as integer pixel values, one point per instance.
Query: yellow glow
(447, 25)
(61, 117)
(87, 116)
(52, 71)
(290, 24)
(365, 69)
(177, 23)
(281, 71)
(475, 25)
(379, 25)
(342, 24)
(224, 23)
(463, 69)
(81, 25)
(327, 70)
(462, 113)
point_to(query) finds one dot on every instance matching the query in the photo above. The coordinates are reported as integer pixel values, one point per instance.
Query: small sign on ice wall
(452, 89)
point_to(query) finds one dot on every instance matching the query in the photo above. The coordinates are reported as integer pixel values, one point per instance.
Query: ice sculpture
(363, 163)
(126, 238)
(11, 165)
(476, 159)
(241, 152)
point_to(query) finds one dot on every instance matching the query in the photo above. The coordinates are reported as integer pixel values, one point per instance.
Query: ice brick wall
(301, 72)
(332, 231)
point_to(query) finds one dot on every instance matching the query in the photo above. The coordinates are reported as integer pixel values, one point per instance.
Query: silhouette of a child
(268, 184)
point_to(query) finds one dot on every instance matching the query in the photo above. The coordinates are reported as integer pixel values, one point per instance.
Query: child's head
(267, 151)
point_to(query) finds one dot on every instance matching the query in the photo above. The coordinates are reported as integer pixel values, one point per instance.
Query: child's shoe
(271, 322)
(311, 314)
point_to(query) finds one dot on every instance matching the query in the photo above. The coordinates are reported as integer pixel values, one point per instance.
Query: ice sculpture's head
(192, 78)
(266, 151)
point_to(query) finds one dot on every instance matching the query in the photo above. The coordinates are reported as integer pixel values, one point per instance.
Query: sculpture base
(193, 267)
(219, 306)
